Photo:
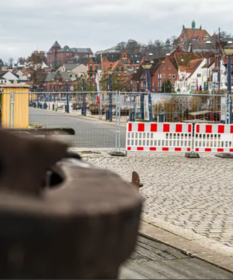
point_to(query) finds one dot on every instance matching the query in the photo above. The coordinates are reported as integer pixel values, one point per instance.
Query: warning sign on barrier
(160, 137)
(216, 138)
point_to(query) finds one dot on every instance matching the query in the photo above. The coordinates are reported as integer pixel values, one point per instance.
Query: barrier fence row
(179, 137)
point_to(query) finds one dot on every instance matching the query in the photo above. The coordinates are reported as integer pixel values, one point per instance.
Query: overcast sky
(28, 25)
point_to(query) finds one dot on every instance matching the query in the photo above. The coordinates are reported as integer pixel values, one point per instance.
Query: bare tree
(11, 61)
(121, 46)
(21, 60)
(132, 47)
(35, 72)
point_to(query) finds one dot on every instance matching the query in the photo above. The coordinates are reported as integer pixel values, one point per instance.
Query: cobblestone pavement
(194, 194)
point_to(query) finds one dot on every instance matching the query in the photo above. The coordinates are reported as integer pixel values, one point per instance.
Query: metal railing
(94, 129)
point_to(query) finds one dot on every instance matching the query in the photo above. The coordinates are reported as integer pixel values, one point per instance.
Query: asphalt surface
(154, 260)
(89, 133)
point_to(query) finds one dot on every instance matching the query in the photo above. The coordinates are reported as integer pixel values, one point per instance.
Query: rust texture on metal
(84, 226)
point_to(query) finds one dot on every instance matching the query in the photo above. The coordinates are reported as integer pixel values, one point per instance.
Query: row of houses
(188, 72)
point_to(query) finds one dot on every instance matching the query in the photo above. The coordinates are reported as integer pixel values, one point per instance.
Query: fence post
(10, 110)
(38, 95)
(13, 115)
(54, 94)
(67, 99)
(84, 100)
(117, 152)
(110, 98)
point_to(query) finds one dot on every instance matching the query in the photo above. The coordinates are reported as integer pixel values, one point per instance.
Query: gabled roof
(65, 49)
(56, 45)
(195, 34)
(136, 76)
(134, 58)
(50, 76)
(193, 65)
(173, 61)
(82, 50)
(71, 66)
(183, 59)
(112, 57)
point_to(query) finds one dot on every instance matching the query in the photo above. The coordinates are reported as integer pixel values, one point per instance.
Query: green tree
(167, 86)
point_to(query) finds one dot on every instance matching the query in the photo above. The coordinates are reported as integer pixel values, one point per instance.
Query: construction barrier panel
(217, 138)
(159, 137)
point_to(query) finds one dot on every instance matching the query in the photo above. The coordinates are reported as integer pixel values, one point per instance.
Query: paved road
(153, 260)
(90, 133)
(194, 194)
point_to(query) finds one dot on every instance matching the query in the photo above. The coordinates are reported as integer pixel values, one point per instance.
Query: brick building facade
(57, 56)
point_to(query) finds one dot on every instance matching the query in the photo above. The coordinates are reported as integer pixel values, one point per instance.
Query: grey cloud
(28, 24)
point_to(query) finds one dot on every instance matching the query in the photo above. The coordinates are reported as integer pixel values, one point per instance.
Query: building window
(90, 68)
(173, 76)
(164, 76)
(164, 68)
(169, 68)
(124, 55)
(96, 68)
(198, 75)
(117, 68)
(122, 69)
(169, 76)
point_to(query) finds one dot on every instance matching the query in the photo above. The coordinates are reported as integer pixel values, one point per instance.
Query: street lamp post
(163, 62)
(147, 68)
(110, 94)
(159, 73)
(54, 95)
(228, 51)
(67, 98)
(84, 99)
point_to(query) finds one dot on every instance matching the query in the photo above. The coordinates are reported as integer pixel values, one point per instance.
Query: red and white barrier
(217, 138)
(160, 137)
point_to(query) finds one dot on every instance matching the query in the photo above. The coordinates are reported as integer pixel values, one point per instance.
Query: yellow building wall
(20, 117)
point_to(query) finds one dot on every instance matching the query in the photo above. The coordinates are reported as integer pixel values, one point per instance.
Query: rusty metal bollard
(59, 216)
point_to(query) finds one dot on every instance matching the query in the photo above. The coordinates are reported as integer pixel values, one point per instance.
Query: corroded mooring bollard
(61, 217)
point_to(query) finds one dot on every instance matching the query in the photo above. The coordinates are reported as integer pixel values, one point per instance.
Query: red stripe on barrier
(165, 149)
(130, 127)
(208, 149)
(188, 150)
(129, 148)
(208, 129)
(190, 128)
(153, 127)
(198, 128)
(152, 149)
(231, 128)
(221, 129)
(141, 127)
(178, 149)
(140, 148)
(166, 128)
(231, 150)
(179, 128)
(220, 150)
(197, 149)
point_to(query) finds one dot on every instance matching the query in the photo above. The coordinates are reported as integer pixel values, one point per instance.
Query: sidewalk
(89, 116)
(161, 254)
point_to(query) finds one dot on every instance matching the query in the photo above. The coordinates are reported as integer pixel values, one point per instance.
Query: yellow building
(14, 104)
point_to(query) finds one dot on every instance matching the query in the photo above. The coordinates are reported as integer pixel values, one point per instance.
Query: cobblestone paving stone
(194, 194)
